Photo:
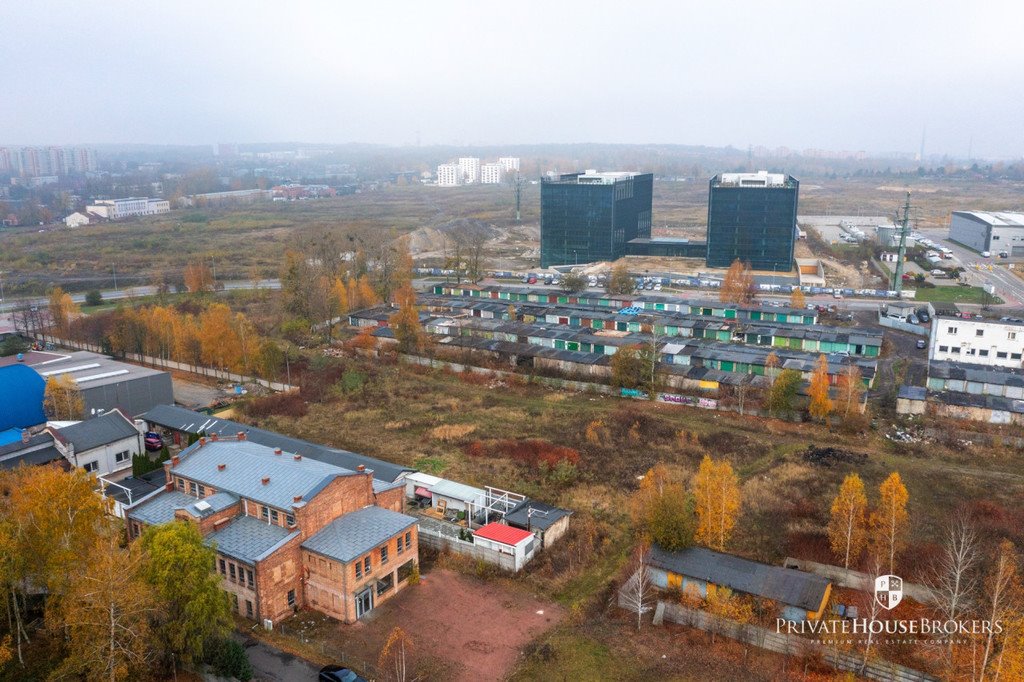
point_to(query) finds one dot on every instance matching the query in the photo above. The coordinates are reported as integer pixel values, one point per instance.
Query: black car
(339, 673)
(921, 344)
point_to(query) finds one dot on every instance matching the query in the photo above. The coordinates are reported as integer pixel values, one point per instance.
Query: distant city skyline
(860, 77)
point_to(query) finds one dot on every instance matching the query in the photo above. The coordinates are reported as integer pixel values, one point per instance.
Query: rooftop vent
(202, 505)
(222, 467)
(214, 437)
(297, 457)
(297, 498)
(277, 451)
(202, 441)
(361, 468)
(266, 480)
(241, 435)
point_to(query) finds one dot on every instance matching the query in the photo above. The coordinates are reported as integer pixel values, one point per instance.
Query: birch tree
(637, 592)
(716, 492)
(393, 655)
(953, 578)
(1002, 595)
(846, 525)
(889, 522)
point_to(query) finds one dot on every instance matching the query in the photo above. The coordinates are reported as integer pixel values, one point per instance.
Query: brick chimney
(297, 457)
(222, 467)
(361, 468)
(241, 435)
(297, 498)
(202, 441)
(175, 460)
(214, 438)
(277, 451)
(25, 436)
(266, 480)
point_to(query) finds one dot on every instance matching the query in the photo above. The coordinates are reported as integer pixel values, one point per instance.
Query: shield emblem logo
(888, 591)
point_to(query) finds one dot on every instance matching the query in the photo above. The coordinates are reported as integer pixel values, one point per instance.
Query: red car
(153, 441)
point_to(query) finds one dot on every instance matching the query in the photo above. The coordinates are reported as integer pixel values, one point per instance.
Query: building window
(231, 571)
(275, 518)
(1012, 336)
(408, 540)
(385, 583)
(122, 456)
(265, 514)
(384, 554)
(248, 578)
(943, 349)
(291, 597)
(181, 484)
(955, 349)
(359, 569)
(234, 602)
(1015, 356)
(192, 489)
(398, 548)
(983, 353)
(366, 565)
(1001, 355)
(202, 491)
(979, 332)
(289, 519)
(223, 569)
(91, 466)
(248, 608)
(951, 330)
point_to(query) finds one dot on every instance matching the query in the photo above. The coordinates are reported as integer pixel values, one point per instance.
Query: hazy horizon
(801, 75)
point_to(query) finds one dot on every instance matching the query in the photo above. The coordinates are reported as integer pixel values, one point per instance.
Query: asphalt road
(1008, 286)
(273, 665)
(131, 292)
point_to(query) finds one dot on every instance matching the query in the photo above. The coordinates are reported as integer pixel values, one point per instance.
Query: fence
(845, 577)
(160, 363)
(789, 645)
(893, 323)
(432, 536)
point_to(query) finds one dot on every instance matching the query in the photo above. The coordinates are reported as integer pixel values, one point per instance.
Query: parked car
(921, 344)
(986, 254)
(923, 315)
(153, 441)
(912, 318)
(338, 673)
(1003, 254)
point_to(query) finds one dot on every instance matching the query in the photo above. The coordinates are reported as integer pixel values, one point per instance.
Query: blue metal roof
(352, 535)
(248, 539)
(21, 397)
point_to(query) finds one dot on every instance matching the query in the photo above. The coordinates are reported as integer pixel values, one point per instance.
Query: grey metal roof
(160, 508)
(543, 517)
(913, 392)
(457, 491)
(98, 431)
(248, 539)
(36, 457)
(988, 374)
(784, 585)
(211, 505)
(352, 535)
(247, 464)
(188, 421)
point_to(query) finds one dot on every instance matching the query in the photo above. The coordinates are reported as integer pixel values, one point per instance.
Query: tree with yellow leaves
(221, 347)
(889, 522)
(104, 617)
(340, 292)
(406, 322)
(821, 404)
(1003, 596)
(851, 389)
(62, 309)
(62, 401)
(198, 277)
(738, 284)
(846, 526)
(394, 654)
(662, 510)
(716, 491)
(797, 298)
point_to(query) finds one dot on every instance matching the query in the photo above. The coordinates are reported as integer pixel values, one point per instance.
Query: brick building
(289, 531)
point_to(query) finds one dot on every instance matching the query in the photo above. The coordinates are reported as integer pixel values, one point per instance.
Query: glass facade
(755, 224)
(583, 221)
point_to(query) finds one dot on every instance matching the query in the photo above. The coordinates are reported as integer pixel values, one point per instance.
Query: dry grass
(450, 433)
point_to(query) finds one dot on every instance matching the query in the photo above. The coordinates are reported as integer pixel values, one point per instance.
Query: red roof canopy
(506, 535)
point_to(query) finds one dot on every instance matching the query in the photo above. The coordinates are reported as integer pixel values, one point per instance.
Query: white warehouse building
(992, 232)
(113, 209)
(979, 342)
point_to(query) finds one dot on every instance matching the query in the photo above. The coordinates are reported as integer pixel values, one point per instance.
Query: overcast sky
(851, 75)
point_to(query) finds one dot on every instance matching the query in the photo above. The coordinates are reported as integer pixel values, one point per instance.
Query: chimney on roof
(361, 468)
(25, 436)
(175, 461)
(222, 467)
(241, 435)
(266, 480)
(214, 438)
(297, 498)
(202, 441)
(277, 451)
(297, 457)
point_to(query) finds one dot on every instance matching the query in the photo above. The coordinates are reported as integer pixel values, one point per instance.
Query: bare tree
(637, 592)
(873, 608)
(1001, 593)
(953, 578)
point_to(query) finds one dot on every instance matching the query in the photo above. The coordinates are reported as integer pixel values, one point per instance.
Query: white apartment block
(979, 342)
(490, 174)
(449, 175)
(114, 209)
(509, 163)
(470, 167)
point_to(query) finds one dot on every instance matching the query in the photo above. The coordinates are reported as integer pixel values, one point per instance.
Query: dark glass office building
(752, 216)
(588, 217)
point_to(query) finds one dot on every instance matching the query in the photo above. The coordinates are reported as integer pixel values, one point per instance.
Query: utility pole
(897, 284)
(517, 187)
(114, 269)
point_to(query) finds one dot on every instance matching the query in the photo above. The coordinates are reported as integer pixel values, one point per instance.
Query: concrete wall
(970, 232)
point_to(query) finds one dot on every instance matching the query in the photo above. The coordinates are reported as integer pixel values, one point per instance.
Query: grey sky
(852, 75)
